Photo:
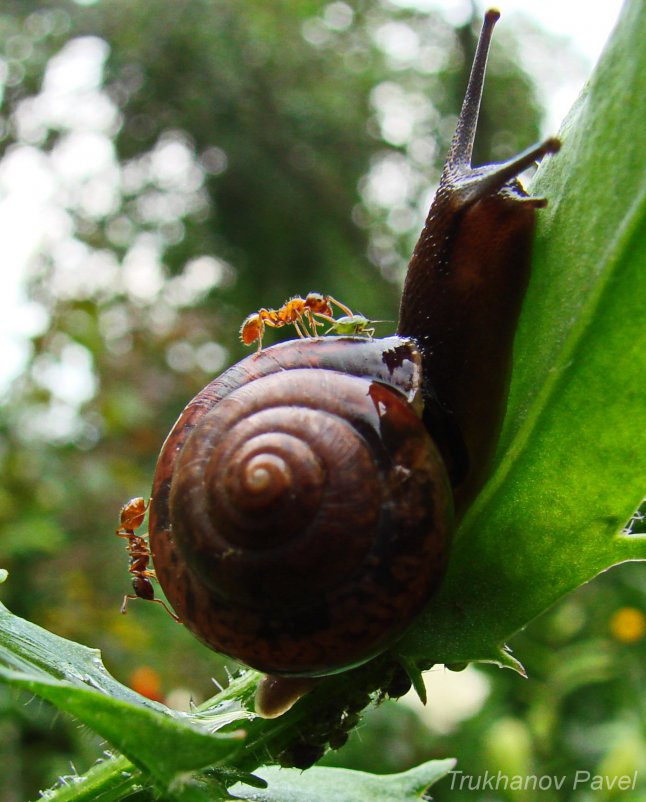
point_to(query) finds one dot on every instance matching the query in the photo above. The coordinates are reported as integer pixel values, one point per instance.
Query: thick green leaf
(25, 647)
(572, 459)
(73, 678)
(343, 785)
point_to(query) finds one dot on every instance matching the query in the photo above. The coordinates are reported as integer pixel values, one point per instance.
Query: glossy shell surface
(300, 512)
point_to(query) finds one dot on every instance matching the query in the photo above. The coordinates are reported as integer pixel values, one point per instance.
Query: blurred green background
(163, 172)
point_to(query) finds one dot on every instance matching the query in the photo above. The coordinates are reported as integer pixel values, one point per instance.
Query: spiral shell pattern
(300, 514)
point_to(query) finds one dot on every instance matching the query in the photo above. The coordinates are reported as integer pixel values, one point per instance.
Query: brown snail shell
(301, 513)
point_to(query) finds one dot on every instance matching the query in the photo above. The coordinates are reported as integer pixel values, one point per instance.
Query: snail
(303, 503)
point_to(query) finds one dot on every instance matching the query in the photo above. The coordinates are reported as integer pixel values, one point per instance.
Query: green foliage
(290, 123)
(323, 785)
(74, 679)
(164, 747)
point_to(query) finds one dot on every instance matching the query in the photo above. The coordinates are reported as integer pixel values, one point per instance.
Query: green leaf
(572, 458)
(71, 676)
(343, 785)
(108, 781)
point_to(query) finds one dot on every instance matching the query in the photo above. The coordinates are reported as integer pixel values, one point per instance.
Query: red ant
(132, 517)
(293, 312)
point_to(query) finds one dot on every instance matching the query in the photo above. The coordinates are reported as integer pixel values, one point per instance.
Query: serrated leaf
(343, 785)
(107, 781)
(572, 458)
(73, 678)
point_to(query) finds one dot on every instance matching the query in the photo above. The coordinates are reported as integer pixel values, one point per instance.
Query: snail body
(303, 504)
(464, 289)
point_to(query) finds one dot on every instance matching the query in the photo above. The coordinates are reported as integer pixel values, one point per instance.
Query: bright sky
(30, 184)
(583, 26)
(586, 26)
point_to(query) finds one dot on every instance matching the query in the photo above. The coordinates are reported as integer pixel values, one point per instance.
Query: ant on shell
(132, 517)
(297, 312)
